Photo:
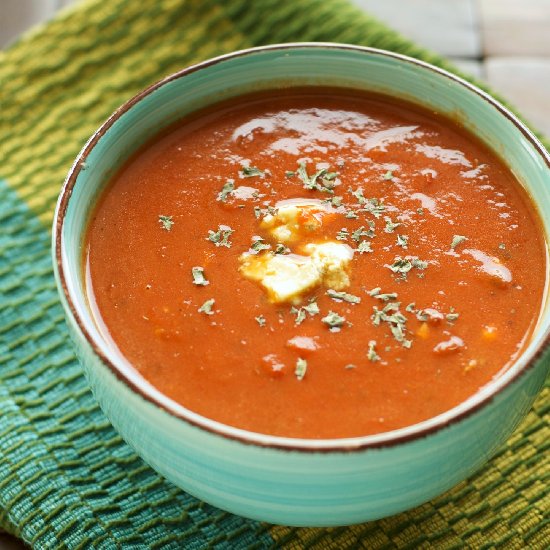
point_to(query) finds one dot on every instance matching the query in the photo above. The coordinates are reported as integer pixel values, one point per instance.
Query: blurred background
(504, 42)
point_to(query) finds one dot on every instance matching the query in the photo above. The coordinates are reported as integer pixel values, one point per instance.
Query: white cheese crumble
(286, 278)
(295, 218)
(332, 259)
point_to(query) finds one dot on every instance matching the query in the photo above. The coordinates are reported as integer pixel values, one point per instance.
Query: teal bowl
(281, 480)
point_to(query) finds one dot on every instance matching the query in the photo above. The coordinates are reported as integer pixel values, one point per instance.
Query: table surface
(503, 42)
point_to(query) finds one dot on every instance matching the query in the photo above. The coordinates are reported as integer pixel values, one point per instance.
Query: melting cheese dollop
(332, 259)
(295, 218)
(287, 278)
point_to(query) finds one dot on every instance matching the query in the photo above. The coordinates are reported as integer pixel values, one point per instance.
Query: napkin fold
(67, 479)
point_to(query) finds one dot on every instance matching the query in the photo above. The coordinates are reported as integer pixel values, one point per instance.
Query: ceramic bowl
(285, 480)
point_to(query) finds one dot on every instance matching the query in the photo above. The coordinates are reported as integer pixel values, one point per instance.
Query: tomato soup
(316, 263)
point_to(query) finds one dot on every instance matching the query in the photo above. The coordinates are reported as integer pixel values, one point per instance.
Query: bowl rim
(477, 401)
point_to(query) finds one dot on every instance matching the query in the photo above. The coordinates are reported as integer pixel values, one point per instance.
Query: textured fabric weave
(66, 478)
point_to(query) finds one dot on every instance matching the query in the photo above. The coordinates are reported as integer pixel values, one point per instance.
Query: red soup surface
(316, 263)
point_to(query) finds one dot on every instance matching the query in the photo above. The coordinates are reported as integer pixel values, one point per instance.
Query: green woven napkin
(66, 478)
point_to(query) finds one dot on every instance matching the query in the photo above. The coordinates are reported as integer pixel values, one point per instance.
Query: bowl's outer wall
(306, 488)
(284, 486)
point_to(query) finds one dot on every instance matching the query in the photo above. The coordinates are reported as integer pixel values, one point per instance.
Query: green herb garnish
(330, 176)
(300, 314)
(403, 241)
(166, 222)
(419, 264)
(364, 246)
(312, 308)
(391, 315)
(388, 175)
(385, 297)
(361, 232)
(390, 225)
(281, 249)
(452, 316)
(198, 276)
(343, 234)
(207, 307)
(375, 207)
(320, 181)
(420, 211)
(259, 244)
(336, 202)
(221, 236)
(290, 174)
(260, 320)
(333, 320)
(268, 210)
(457, 239)
(371, 353)
(358, 194)
(403, 265)
(343, 296)
(377, 317)
(421, 315)
(301, 368)
(251, 171)
(227, 189)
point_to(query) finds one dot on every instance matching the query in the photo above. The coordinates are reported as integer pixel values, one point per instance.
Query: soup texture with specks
(316, 263)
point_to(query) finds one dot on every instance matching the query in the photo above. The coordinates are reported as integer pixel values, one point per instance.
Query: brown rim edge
(278, 442)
